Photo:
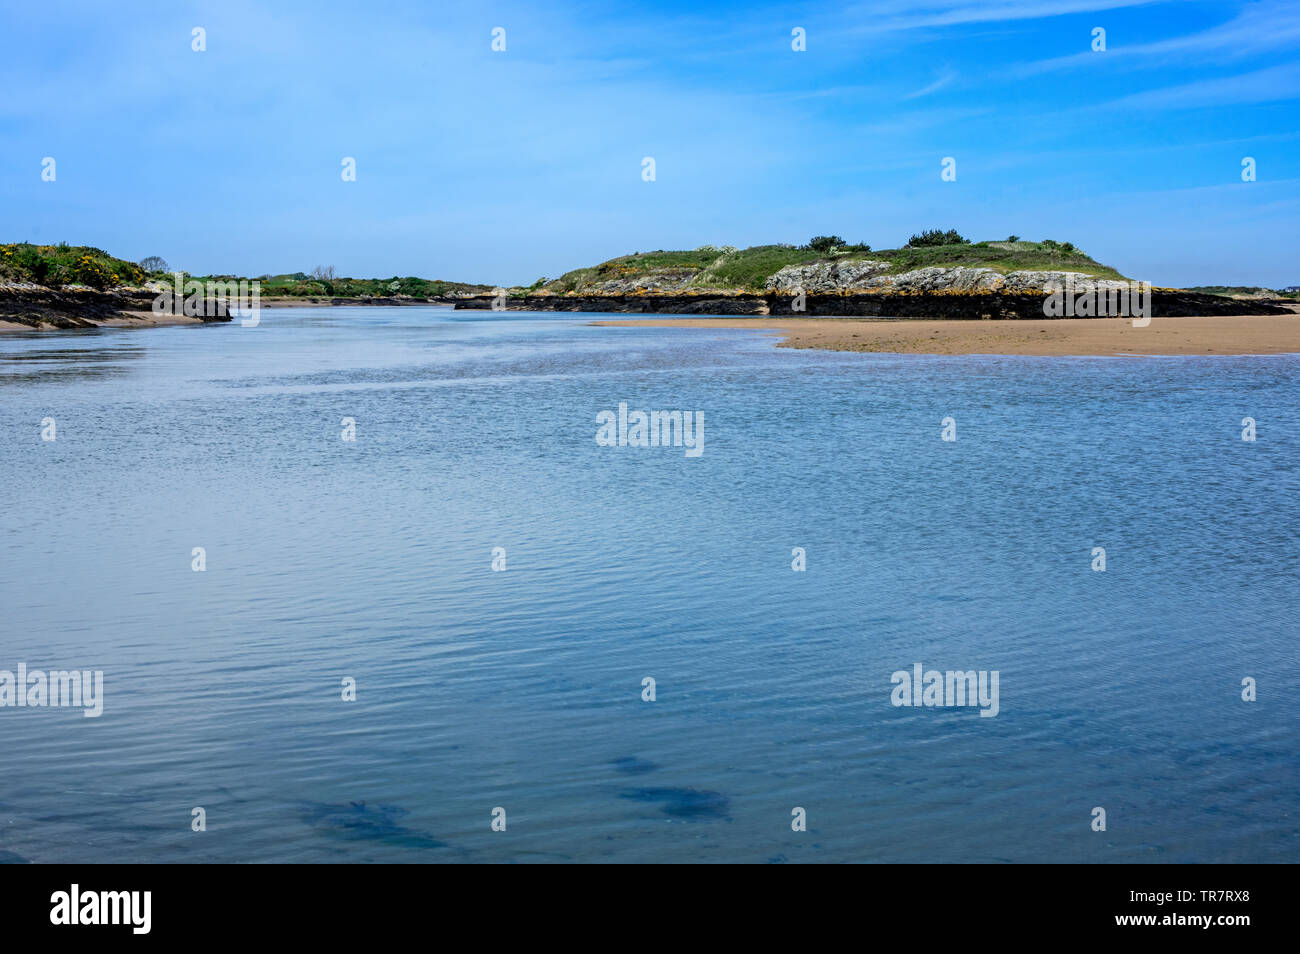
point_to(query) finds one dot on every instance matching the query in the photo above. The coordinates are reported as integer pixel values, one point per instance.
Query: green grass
(571, 281)
(633, 266)
(643, 262)
(999, 256)
(749, 268)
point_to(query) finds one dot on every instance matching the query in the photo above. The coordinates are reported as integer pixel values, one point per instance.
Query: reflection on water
(22, 365)
(522, 690)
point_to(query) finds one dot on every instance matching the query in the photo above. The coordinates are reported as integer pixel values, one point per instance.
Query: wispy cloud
(1274, 84)
(1260, 28)
(895, 15)
(944, 79)
(897, 128)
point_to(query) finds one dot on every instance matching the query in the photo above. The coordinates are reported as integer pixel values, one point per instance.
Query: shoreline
(1239, 334)
(343, 302)
(132, 319)
(933, 304)
(81, 310)
(1048, 337)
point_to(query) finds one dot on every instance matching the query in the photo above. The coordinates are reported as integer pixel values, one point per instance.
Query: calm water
(521, 689)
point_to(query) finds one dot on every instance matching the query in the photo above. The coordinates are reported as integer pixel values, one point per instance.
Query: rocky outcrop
(864, 287)
(822, 278)
(40, 307)
(826, 277)
(686, 304)
(954, 304)
(660, 282)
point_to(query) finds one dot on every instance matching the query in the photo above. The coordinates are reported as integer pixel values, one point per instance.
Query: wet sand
(1223, 335)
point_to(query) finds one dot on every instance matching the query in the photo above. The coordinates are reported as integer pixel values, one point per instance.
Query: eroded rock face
(660, 281)
(830, 278)
(827, 277)
(937, 278)
(1029, 281)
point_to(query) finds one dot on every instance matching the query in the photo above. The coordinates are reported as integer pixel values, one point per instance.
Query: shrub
(31, 263)
(1064, 247)
(933, 237)
(824, 243)
(87, 270)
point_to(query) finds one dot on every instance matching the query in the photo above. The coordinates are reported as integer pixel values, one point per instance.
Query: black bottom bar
(956, 903)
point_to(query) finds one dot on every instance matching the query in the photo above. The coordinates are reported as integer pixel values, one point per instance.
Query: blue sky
(501, 167)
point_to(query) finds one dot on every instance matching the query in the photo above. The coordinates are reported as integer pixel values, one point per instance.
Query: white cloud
(944, 79)
(895, 15)
(1261, 86)
(1260, 28)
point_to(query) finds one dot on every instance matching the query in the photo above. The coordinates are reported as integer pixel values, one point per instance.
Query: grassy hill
(748, 269)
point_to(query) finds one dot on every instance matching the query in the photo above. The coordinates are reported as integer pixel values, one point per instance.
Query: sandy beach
(1222, 335)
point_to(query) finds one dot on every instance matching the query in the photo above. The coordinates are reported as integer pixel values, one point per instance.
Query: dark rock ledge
(46, 307)
(1165, 303)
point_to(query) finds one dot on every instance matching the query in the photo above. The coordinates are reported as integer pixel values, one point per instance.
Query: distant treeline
(1251, 290)
(58, 266)
(302, 285)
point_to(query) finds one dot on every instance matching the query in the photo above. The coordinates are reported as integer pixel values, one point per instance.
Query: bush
(1013, 238)
(824, 243)
(87, 270)
(933, 237)
(31, 264)
(1063, 247)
